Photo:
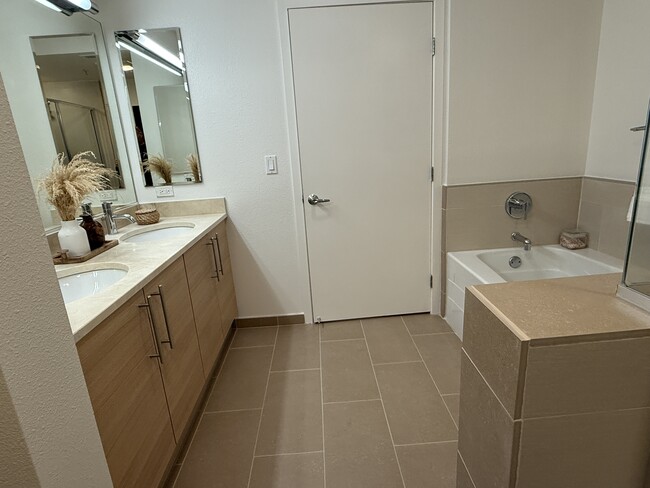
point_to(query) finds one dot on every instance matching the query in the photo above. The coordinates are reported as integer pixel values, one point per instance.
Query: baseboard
(270, 320)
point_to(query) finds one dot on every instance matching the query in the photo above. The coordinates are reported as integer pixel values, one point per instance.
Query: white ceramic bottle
(73, 238)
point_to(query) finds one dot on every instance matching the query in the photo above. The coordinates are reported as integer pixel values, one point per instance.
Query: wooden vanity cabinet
(168, 296)
(201, 266)
(128, 396)
(226, 285)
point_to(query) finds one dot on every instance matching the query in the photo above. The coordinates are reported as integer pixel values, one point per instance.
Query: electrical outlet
(107, 196)
(164, 191)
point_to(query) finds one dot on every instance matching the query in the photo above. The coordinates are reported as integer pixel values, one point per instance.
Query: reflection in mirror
(155, 76)
(637, 275)
(71, 80)
(46, 55)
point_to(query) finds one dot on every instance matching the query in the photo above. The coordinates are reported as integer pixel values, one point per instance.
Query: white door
(363, 87)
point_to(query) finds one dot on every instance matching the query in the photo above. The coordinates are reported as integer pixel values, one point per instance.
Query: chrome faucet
(110, 218)
(516, 236)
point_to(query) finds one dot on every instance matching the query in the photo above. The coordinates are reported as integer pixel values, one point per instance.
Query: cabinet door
(201, 268)
(227, 299)
(180, 361)
(128, 397)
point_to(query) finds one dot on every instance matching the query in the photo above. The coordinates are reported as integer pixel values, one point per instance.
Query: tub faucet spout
(516, 236)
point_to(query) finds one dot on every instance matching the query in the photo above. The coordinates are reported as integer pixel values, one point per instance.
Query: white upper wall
(622, 90)
(234, 70)
(521, 86)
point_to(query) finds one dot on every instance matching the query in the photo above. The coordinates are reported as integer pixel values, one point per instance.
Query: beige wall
(52, 416)
(622, 90)
(521, 85)
(475, 217)
(603, 210)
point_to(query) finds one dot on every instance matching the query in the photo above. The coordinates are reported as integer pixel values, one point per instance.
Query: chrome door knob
(314, 200)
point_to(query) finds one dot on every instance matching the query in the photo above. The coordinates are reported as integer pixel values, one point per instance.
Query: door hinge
(432, 173)
(433, 46)
(430, 281)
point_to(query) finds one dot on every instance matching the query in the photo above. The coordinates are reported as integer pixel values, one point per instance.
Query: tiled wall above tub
(603, 211)
(474, 216)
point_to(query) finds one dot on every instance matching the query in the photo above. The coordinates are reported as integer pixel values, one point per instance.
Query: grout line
(398, 362)
(343, 340)
(294, 370)
(205, 412)
(425, 443)
(259, 424)
(432, 333)
(450, 394)
(381, 399)
(322, 400)
(352, 401)
(286, 454)
(252, 347)
(431, 376)
(460, 456)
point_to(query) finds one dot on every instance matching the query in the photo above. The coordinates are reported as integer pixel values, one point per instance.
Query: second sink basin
(89, 282)
(158, 233)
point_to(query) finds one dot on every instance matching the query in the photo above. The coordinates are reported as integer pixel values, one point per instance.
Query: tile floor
(362, 403)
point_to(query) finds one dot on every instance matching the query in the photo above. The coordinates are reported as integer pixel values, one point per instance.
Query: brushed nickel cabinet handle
(160, 294)
(219, 251)
(153, 331)
(214, 254)
(214, 259)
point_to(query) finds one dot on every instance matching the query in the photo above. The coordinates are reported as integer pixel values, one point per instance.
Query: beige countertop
(544, 310)
(143, 262)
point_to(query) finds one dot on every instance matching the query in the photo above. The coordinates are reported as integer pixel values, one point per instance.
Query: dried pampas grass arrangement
(159, 165)
(193, 164)
(68, 184)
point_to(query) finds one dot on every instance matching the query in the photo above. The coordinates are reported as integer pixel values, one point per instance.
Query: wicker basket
(146, 216)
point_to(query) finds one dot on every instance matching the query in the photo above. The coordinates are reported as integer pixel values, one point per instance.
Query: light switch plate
(271, 163)
(164, 191)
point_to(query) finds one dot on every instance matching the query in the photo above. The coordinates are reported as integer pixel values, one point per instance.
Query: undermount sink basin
(158, 233)
(91, 282)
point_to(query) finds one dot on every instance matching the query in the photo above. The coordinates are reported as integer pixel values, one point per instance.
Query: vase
(73, 239)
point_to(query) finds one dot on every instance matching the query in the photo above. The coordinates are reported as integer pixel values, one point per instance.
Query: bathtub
(469, 268)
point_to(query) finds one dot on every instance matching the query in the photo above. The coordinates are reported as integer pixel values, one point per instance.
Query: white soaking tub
(467, 268)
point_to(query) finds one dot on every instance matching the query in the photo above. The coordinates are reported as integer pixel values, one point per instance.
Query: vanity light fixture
(152, 46)
(130, 47)
(69, 7)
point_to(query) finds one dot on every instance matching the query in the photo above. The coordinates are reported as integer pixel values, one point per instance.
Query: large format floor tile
(389, 340)
(349, 410)
(441, 353)
(347, 372)
(242, 381)
(415, 410)
(292, 418)
(291, 470)
(222, 451)
(428, 465)
(358, 448)
(254, 336)
(336, 331)
(424, 323)
(453, 404)
(296, 347)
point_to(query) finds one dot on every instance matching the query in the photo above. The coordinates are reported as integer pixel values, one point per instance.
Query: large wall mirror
(57, 77)
(155, 77)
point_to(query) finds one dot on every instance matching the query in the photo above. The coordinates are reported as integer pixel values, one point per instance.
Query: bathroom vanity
(149, 344)
(555, 386)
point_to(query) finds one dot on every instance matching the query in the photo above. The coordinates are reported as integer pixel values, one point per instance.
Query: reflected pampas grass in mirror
(68, 184)
(159, 165)
(193, 164)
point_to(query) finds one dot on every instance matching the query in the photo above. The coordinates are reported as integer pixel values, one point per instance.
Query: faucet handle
(107, 207)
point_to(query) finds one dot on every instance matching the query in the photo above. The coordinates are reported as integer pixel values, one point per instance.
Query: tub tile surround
(562, 384)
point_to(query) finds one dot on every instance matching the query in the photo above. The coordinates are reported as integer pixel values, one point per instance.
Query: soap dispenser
(95, 230)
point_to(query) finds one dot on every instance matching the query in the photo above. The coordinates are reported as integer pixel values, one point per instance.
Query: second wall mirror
(155, 76)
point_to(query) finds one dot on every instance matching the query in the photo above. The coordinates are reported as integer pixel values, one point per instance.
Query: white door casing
(363, 92)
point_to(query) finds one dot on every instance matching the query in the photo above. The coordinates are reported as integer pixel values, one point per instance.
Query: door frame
(439, 126)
